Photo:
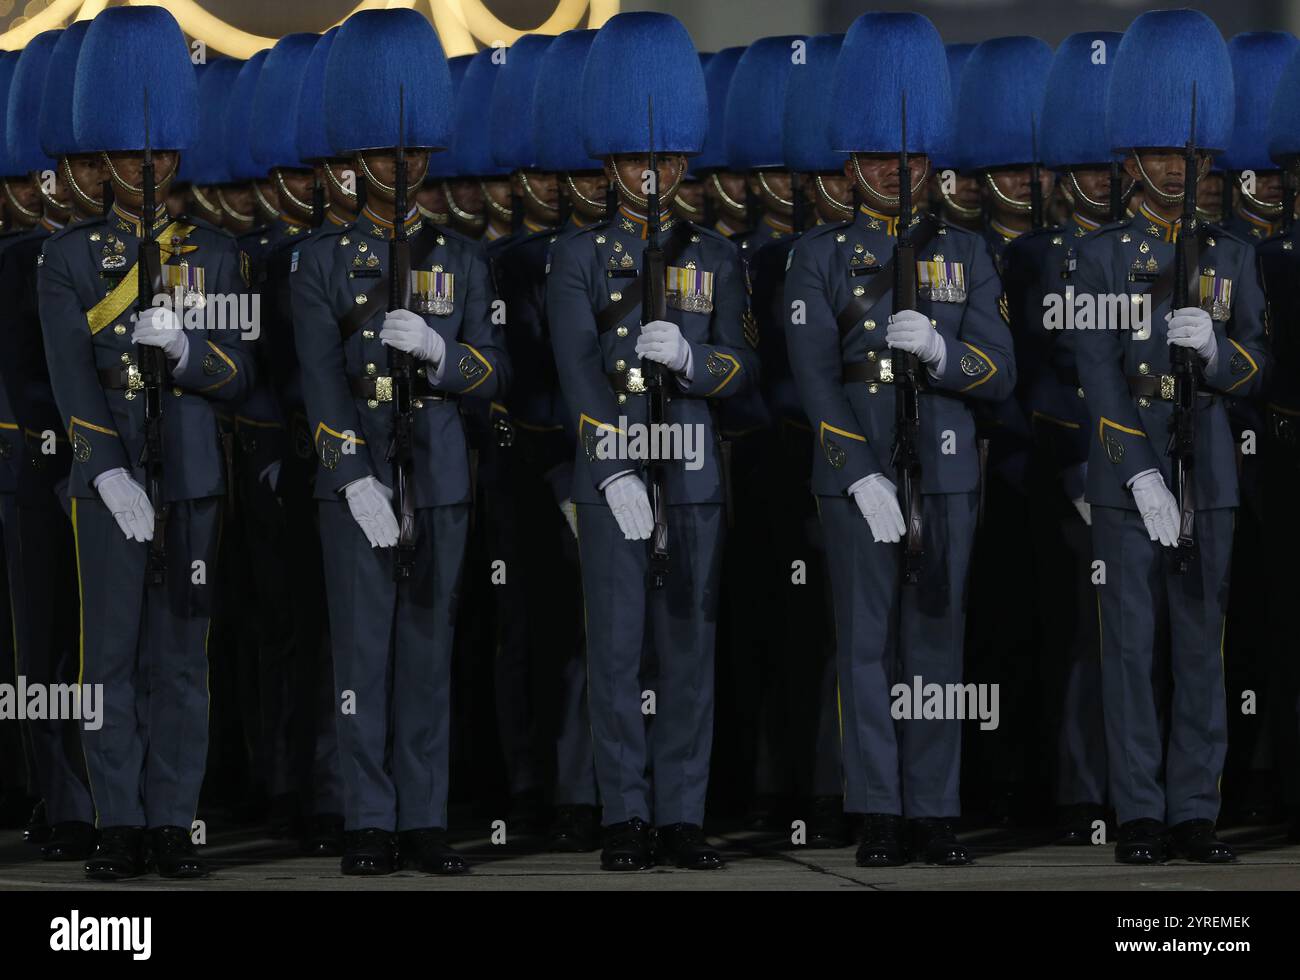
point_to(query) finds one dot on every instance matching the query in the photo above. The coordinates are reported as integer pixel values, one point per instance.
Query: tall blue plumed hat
(128, 51)
(1001, 102)
(717, 82)
(510, 113)
(313, 140)
(1284, 116)
(443, 164)
(1258, 60)
(386, 52)
(638, 57)
(185, 169)
(275, 100)
(207, 162)
(22, 138)
(756, 102)
(883, 55)
(56, 100)
(557, 122)
(239, 121)
(8, 62)
(472, 149)
(1073, 131)
(806, 116)
(958, 55)
(1149, 104)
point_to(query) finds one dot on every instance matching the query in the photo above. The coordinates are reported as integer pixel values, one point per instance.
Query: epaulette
(76, 226)
(1218, 231)
(1113, 225)
(206, 225)
(711, 233)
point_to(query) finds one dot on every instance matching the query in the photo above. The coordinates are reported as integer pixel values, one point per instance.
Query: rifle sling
(351, 321)
(610, 317)
(882, 282)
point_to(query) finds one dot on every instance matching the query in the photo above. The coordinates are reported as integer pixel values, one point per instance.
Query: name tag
(942, 282)
(433, 292)
(690, 290)
(1216, 296)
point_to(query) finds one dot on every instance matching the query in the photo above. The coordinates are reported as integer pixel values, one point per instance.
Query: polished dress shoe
(573, 831)
(368, 851)
(881, 843)
(934, 842)
(70, 841)
(1074, 823)
(1195, 840)
(38, 828)
(683, 845)
(174, 855)
(826, 827)
(323, 836)
(427, 850)
(119, 854)
(627, 846)
(1142, 842)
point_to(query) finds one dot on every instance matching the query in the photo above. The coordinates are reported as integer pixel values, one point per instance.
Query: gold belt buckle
(1167, 387)
(886, 369)
(635, 382)
(134, 381)
(383, 389)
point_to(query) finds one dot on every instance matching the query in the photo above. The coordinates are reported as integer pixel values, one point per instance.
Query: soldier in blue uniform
(392, 641)
(1166, 794)
(47, 643)
(725, 199)
(593, 299)
(145, 643)
(341, 201)
(954, 196)
(1038, 267)
(843, 342)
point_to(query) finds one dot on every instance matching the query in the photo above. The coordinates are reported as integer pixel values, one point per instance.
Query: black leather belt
(380, 389)
(1158, 386)
(629, 382)
(879, 371)
(124, 378)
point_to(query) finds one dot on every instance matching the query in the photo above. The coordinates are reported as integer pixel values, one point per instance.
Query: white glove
(1158, 507)
(877, 499)
(128, 502)
(911, 331)
(1075, 481)
(160, 327)
(407, 331)
(570, 513)
(271, 475)
(663, 342)
(1192, 327)
(1084, 509)
(369, 501)
(627, 498)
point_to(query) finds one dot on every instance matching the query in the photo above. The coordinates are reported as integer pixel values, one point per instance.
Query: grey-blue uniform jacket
(332, 272)
(87, 296)
(853, 423)
(1130, 434)
(590, 270)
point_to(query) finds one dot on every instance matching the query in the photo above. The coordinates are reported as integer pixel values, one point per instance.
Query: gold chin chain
(878, 196)
(338, 185)
(87, 202)
(727, 199)
(1263, 209)
(460, 215)
(231, 212)
(573, 189)
(27, 213)
(680, 202)
(280, 186)
(379, 185)
(1148, 185)
(762, 182)
(960, 210)
(528, 192)
(642, 202)
(267, 206)
(500, 210)
(204, 203)
(1010, 202)
(825, 195)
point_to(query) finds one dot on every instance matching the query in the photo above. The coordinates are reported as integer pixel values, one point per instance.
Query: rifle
(1182, 431)
(400, 362)
(906, 456)
(654, 306)
(153, 364)
(1116, 192)
(317, 199)
(1035, 179)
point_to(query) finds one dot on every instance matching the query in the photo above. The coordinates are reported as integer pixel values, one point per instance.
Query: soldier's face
(1209, 193)
(690, 193)
(467, 195)
(239, 198)
(777, 193)
(130, 168)
(26, 193)
(593, 185)
(88, 171)
(498, 189)
(1165, 170)
(733, 185)
(633, 169)
(880, 173)
(545, 188)
(1094, 182)
(383, 164)
(433, 197)
(60, 193)
(1014, 183)
(1268, 187)
(300, 184)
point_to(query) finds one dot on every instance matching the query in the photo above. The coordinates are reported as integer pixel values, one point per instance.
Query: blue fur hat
(185, 168)
(129, 51)
(510, 113)
(807, 146)
(56, 100)
(717, 82)
(1149, 103)
(958, 55)
(1073, 128)
(1258, 60)
(1284, 116)
(882, 56)
(22, 138)
(207, 162)
(638, 57)
(275, 102)
(313, 141)
(376, 55)
(473, 144)
(239, 121)
(443, 164)
(557, 124)
(8, 62)
(1001, 92)
(756, 102)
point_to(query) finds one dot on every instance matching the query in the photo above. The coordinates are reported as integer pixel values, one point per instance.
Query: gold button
(1079, 392)
(858, 248)
(615, 296)
(370, 370)
(368, 334)
(600, 239)
(1144, 402)
(126, 358)
(870, 324)
(420, 371)
(621, 398)
(871, 355)
(872, 388)
(361, 247)
(119, 330)
(371, 403)
(621, 331)
(362, 300)
(176, 392)
(840, 237)
(933, 322)
(859, 290)
(620, 365)
(1144, 368)
(418, 403)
